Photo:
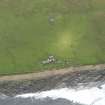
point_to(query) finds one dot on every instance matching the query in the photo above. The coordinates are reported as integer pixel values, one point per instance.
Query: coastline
(74, 77)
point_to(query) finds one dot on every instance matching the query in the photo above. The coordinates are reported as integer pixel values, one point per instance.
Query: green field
(73, 31)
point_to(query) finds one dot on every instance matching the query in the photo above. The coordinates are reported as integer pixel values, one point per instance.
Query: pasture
(73, 31)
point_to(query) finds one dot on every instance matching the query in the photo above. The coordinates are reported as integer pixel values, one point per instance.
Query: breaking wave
(87, 96)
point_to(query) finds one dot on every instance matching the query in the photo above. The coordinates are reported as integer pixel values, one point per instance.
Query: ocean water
(61, 96)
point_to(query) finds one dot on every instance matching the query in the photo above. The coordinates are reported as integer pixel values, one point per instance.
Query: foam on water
(89, 96)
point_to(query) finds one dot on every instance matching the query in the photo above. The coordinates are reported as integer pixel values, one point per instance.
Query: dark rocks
(75, 79)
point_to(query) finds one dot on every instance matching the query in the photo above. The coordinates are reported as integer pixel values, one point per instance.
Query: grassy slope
(27, 37)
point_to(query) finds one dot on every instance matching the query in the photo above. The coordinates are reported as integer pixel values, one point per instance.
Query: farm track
(50, 73)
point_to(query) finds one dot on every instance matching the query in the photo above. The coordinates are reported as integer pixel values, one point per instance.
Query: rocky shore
(74, 79)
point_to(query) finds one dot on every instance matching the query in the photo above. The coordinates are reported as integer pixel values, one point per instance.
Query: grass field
(28, 35)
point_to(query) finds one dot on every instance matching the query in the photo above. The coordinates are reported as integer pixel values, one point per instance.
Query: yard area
(73, 31)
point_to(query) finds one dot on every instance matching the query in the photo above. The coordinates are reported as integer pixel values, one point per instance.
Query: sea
(60, 96)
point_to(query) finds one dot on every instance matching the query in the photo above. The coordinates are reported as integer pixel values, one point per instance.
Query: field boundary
(49, 73)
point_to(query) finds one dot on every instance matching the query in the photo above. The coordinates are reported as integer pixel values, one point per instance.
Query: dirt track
(49, 73)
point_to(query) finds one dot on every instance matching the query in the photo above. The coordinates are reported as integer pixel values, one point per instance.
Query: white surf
(87, 96)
